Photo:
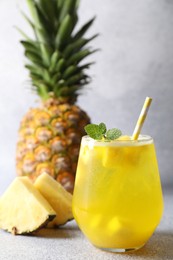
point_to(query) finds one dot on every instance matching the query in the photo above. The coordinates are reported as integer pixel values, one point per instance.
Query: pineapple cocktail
(117, 200)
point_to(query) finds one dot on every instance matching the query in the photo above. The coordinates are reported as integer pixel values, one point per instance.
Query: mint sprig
(113, 134)
(99, 132)
(94, 131)
(102, 128)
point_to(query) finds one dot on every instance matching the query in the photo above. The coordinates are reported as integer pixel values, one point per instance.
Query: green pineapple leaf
(77, 45)
(28, 20)
(33, 57)
(38, 71)
(64, 31)
(54, 60)
(84, 29)
(78, 57)
(31, 46)
(69, 71)
(69, 7)
(49, 9)
(23, 34)
(60, 65)
(57, 50)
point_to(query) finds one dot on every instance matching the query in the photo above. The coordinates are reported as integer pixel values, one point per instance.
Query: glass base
(120, 250)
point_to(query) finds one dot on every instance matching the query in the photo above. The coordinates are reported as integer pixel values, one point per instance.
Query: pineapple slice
(124, 138)
(58, 198)
(23, 209)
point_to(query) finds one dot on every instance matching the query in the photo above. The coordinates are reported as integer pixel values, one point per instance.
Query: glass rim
(142, 140)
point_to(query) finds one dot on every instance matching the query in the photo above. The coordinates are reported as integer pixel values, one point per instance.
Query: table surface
(69, 243)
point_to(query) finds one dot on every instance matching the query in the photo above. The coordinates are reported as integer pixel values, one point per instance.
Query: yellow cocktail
(117, 199)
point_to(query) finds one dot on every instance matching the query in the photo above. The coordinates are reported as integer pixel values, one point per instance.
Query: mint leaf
(113, 134)
(94, 131)
(99, 132)
(102, 127)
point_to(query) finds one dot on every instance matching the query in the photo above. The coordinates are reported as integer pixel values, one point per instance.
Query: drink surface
(117, 200)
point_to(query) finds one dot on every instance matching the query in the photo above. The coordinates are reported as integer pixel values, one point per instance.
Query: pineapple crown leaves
(56, 52)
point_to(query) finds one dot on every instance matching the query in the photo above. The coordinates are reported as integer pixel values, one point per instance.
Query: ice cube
(85, 153)
(114, 225)
(96, 221)
(111, 156)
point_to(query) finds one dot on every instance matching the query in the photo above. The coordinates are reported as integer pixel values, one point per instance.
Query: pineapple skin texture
(49, 141)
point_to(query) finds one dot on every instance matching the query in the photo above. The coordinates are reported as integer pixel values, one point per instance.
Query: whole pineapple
(49, 136)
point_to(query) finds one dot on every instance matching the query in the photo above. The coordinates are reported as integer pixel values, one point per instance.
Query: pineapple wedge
(124, 138)
(58, 198)
(23, 209)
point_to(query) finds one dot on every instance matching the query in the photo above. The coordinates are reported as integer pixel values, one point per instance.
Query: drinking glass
(117, 200)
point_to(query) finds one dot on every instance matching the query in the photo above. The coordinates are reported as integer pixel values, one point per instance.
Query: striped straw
(141, 118)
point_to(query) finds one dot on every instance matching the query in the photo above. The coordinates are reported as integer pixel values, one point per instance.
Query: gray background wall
(135, 61)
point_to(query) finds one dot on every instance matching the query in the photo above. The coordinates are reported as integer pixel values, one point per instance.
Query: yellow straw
(141, 118)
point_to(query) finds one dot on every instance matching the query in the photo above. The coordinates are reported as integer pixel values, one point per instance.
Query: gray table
(69, 243)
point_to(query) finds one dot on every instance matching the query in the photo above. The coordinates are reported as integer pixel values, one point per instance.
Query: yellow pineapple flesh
(23, 209)
(59, 199)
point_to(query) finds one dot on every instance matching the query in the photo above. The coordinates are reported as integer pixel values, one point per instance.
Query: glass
(117, 200)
